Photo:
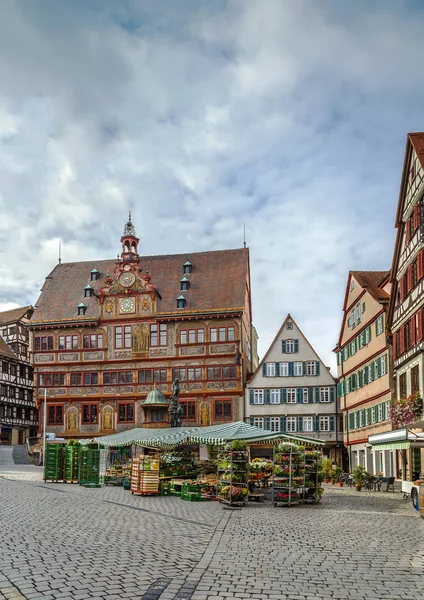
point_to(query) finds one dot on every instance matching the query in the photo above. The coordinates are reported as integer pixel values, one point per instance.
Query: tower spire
(129, 241)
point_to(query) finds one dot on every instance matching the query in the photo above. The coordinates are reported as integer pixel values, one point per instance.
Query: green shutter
(283, 346)
(339, 390)
(251, 397)
(282, 423)
(299, 394)
(277, 369)
(332, 423)
(296, 345)
(339, 358)
(310, 395)
(351, 421)
(369, 329)
(317, 368)
(252, 421)
(365, 375)
(267, 423)
(316, 423)
(316, 394)
(332, 394)
(304, 369)
(283, 395)
(369, 416)
(377, 369)
(291, 369)
(372, 372)
(267, 396)
(299, 424)
(264, 369)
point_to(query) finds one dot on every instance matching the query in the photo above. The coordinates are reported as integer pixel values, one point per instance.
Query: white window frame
(324, 394)
(367, 336)
(291, 396)
(258, 396)
(291, 424)
(345, 353)
(324, 423)
(270, 369)
(297, 369)
(284, 369)
(379, 325)
(274, 424)
(387, 403)
(360, 423)
(308, 424)
(353, 347)
(258, 422)
(352, 318)
(311, 368)
(358, 313)
(305, 396)
(290, 346)
(382, 366)
(275, 396)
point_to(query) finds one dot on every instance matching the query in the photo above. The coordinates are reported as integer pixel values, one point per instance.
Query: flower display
(404, 411)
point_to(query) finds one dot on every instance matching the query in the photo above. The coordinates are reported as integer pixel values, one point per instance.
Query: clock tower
(129, 242)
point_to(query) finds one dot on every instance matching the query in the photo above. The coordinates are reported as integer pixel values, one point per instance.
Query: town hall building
(108, 332)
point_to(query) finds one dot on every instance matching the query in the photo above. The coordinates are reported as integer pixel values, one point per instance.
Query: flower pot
(358, 487)
(332, 482)
(340, 484)
(326, 480)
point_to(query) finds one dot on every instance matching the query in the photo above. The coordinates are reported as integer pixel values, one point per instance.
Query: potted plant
(337, 472)
(359, 477)
(326, 467)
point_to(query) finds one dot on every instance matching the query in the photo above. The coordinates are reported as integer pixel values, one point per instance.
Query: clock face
(127, 279)
(127, 305)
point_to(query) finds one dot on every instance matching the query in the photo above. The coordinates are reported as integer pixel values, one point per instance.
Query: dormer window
(94, 275)
(88, 291)
(187, 266)
(184, 283)
(181, 302)
(81, 309)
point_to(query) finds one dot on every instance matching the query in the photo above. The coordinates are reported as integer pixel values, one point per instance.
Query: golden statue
(141, 338)
(107, 417)
(72, 419)
(205, 415)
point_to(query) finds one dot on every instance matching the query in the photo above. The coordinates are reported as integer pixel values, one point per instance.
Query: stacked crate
(54, 462)
(71, 464)
(89, 466)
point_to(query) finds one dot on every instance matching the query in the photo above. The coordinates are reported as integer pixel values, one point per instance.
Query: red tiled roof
(13, 315)
(417, 141)
(372, 280)
(5, 350)
(217, 281)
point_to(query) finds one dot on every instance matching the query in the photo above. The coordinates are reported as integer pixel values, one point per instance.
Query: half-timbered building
(106, 332)
(18, 411)
(405, 322)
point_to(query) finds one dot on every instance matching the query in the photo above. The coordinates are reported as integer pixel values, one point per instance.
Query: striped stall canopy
(214, 434)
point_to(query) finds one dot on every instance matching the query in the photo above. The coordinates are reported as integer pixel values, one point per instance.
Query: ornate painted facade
(105, 332)
(18, 410)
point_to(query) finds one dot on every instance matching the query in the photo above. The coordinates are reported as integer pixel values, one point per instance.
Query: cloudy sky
(288, 115)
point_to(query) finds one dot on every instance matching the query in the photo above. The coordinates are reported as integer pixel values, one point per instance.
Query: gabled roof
(289, 317)
(217, 282)
(15, 314)
(5, 351)
(372, 282)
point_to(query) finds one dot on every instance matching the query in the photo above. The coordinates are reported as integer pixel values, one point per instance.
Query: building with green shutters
(293, 391)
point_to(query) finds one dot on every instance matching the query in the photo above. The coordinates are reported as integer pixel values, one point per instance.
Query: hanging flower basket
(404, 411)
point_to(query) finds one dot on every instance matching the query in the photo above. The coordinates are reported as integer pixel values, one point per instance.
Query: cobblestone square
(66, 541)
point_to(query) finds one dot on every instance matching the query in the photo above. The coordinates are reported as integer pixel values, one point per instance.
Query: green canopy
(214, 434)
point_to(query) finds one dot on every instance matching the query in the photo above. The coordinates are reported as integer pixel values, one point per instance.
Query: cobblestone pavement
(66, 541)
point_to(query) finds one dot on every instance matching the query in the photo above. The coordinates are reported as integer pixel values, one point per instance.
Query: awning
(392, 446)
(214, 434)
